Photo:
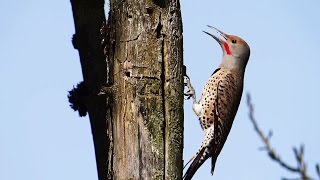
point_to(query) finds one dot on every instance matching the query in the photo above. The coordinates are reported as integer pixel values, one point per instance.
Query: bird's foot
(190, 93)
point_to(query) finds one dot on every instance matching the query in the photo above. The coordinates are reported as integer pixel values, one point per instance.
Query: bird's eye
(234, 41)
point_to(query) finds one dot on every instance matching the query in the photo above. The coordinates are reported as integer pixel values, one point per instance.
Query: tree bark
(134, 86)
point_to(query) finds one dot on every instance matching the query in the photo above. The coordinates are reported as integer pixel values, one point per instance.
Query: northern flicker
(220, 99)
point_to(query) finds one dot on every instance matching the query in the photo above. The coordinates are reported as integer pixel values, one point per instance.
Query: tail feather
(213, 164)
(189, 162)
(200, 158)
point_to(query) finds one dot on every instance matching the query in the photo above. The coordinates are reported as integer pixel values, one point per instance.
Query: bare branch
(290, 179)
(318, 170)
(301, 168)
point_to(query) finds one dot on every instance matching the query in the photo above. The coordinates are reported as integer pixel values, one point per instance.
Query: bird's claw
(188, 96)
(190, 90)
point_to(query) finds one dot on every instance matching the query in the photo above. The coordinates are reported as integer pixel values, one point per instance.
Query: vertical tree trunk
(135, 91)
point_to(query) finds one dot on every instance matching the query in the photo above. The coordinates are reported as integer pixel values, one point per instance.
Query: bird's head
(236, 51)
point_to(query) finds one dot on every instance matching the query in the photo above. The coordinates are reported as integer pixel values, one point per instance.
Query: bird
(220, 99)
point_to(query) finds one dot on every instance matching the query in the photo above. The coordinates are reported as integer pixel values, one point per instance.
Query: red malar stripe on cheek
(226, 47)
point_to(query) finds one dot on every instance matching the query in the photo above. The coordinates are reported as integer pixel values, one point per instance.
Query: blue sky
(42, 138)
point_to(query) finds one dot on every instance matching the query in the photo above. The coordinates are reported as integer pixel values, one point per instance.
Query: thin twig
(318, 170)
(301, 168)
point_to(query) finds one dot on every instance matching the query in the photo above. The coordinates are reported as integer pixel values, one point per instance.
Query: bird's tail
(201, 157)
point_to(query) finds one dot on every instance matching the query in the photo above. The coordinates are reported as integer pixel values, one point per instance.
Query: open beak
(220, 41)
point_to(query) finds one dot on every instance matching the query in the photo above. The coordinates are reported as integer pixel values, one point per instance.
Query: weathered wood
(141, 87)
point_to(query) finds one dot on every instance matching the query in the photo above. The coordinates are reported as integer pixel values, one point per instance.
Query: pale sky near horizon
(43, 139)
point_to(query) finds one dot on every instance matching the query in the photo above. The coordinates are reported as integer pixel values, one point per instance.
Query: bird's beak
(220, 41)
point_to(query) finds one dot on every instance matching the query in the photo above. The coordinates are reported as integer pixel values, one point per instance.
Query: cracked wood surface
(147, 59)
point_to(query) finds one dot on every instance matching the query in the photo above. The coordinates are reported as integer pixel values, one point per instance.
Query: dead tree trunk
(133, 86)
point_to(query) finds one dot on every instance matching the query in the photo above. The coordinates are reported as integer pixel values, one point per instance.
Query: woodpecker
(220, 99)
